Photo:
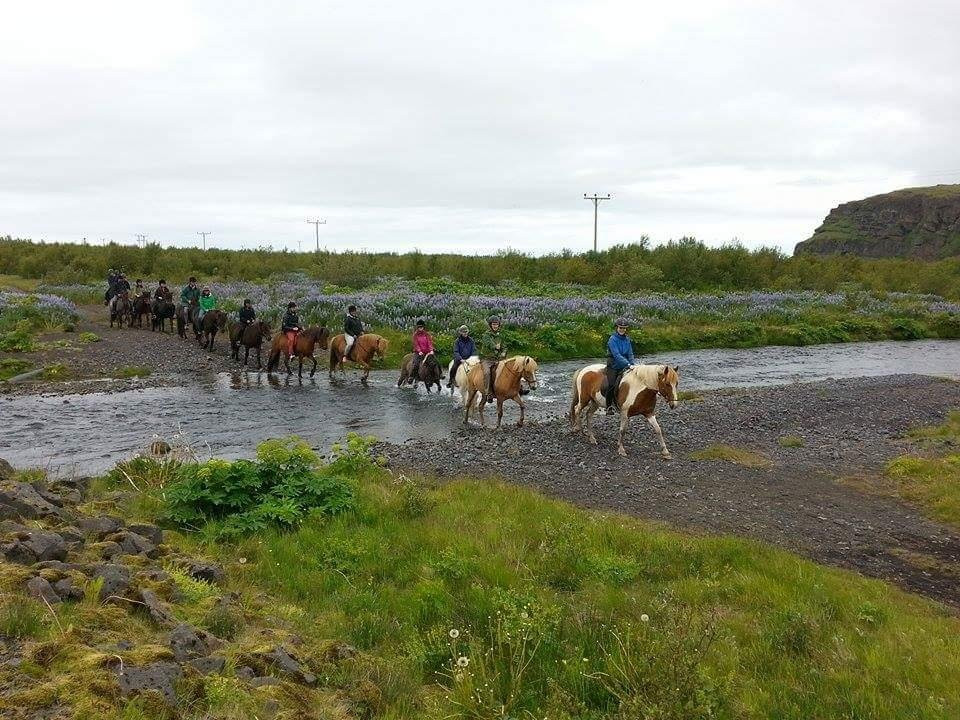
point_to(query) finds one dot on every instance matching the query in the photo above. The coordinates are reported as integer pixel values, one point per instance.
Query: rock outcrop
(919, 223)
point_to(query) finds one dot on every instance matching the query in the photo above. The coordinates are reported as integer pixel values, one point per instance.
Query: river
(228, 413)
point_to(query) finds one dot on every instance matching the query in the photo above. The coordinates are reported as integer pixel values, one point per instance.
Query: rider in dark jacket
(162, 292)
(619, 358)
(352, 329)
(247, 314)
(291, 327)
(463, 348)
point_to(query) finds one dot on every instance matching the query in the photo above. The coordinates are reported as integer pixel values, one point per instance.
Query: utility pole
(316, 226)
(204, 238)
(141, 240)
(596, 203)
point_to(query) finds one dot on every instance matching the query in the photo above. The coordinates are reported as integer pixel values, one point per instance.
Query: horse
(462, 382)
(365, 349)
(185, 316)
(636, 395)
(303, 347)
(506, 386)
(213, 321)
(250, 335)
(141, 307)
(121, 308)
(429, 371)
(162, 310)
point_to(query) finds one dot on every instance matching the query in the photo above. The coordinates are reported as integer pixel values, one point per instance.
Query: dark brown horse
(184, 316)
(141, 307)
(250, 335)
(304, 347)
(429, 372)
(162, 311)
(206, 328)
(120, 309)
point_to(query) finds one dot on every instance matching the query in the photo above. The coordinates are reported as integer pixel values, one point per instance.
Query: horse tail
(333, 356)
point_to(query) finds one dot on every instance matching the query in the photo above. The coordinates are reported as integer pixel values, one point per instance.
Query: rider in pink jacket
(422, 345)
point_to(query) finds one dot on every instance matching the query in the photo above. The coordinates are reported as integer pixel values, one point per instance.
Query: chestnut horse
(636, 395)
(304, 347)
(250, 335)
(506, 385)
(365, 349)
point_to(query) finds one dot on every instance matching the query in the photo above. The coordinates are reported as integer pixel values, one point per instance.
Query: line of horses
(636, 393)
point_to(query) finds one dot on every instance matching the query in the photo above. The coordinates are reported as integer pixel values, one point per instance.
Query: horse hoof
(621, 452)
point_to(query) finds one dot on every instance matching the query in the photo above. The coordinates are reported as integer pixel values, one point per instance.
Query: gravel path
(850, 429)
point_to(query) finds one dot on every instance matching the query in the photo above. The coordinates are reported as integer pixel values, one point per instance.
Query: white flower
(645, 618)
(242, 560)
(454, 633)
(463, 661)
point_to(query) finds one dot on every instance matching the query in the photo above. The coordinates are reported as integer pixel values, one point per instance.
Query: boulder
(45, 545)
(106, 550)
(280, 659)
(68, 590)
(100, 526)
(208, 665)
(159, 677)
(21, 500)
(71, 535)
(188, 642)
(156, 608)
(116, 579)
(18, 552)
(132, 544)
(150, 532)
(6, 470)
(208, 572)
(42, 590)
(263, 681)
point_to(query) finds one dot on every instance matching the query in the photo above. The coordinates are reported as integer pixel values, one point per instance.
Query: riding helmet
(291, 305)
(421, 324)
(193, 279)
(493, 319)
(463, 328)
(622, 322)
(246, 301)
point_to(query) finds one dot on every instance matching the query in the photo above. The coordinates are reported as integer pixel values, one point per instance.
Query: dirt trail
(850, 428)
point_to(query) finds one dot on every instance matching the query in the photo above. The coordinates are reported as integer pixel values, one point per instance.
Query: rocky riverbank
(788, 465)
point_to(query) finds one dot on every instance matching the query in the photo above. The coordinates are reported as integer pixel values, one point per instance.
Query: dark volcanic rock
(160, 677)
(116, 579)
(100, 526)
(21, 500)
(208, 665)
(917, 222)
(280, 659)
(156, 608)
(41, 589)
(68, 590)
(133, 544)
(6, 470)
(208, 572)
(188, 642)
(150, 532)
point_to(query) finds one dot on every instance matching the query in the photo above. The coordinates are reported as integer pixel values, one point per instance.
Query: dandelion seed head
(454, 633)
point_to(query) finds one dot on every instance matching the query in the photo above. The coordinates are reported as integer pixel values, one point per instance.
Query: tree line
(676, 266)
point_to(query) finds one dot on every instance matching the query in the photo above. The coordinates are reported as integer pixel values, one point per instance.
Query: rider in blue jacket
(619, 358)
(463, 348)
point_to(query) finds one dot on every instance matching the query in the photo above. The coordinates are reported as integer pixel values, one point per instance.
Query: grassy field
(932, 480)
(481, 600)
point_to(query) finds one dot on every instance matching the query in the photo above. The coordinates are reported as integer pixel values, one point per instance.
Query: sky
(467, 127)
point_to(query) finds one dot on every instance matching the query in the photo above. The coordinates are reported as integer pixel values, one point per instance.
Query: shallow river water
(227, 414)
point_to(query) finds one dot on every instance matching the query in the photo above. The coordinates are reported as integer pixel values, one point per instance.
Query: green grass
(10, 367)
(932, 481)
(728, 453)
(475, 599)
(88, 337)
(130, 371)
(790, 441)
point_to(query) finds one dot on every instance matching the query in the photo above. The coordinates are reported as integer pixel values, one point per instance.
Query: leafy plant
(286, 483)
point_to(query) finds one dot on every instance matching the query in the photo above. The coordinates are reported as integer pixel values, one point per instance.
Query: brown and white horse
(506, 385)
(636, 395)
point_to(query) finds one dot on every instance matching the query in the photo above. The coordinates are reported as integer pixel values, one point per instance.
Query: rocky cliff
(917, 222)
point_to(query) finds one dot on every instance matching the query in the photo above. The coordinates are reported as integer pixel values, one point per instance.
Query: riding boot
(493, 378)
(613, 378)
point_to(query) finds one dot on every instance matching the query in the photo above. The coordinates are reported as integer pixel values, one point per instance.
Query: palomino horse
(162, 310)
(250, 335)
(365, 349)
(304, 347)
(141, 308)
(507, 382)
(429, 372)
(636, 395)
(121, 308)
(213, 321)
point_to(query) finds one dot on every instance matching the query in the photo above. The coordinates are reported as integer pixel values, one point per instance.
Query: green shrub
(10, 367)
(19, 340)
(88, 337)
(285, 484)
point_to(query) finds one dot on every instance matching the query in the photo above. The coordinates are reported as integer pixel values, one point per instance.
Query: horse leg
(300, 366)
(499, 412)
(664, 453)
(591, 409)
(624, 423)
(520, 403)
(259, 362)
(313, 370)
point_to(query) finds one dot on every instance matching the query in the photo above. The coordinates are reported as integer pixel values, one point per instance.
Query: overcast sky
(467, 127)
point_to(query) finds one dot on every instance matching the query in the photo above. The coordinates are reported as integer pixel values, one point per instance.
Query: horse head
(380, 350)
(667, 379)
(527, 369)
(264, 329)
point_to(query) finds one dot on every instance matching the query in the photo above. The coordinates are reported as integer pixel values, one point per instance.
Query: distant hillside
(919, 223)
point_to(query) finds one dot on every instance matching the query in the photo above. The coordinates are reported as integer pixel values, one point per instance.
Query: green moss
(728, 453)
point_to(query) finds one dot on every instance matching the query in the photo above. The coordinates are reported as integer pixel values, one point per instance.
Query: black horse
(207, 327)
(429, 373)
(162, 311)
(120, 309)
(250, 335)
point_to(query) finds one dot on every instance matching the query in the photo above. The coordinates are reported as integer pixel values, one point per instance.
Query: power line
(204, 238)
(316, 226)
(596, 204)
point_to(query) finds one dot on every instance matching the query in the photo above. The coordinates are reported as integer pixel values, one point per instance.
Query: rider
(208, 301)
(247, 314)
(422, 346)
(112, 276)
(189, 296)
(619, 358)
(492, 350)
(120, 286)
(290, 327)
(352, 329)
(162, 293)
(463, 348)
(139, 289)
